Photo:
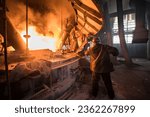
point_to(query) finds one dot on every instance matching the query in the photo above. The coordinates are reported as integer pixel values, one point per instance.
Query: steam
(45, 15)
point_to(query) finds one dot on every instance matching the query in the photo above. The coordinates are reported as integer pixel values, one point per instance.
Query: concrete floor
(129, 83)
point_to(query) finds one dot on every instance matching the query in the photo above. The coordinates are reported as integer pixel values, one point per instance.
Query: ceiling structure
(89, 15)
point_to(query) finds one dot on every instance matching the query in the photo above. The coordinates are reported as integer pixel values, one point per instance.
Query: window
(129, 27)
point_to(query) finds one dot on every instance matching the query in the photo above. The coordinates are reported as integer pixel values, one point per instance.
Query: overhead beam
(87, 14)
(83, 27)
(129, 11)
(88, 23)
(90, 10)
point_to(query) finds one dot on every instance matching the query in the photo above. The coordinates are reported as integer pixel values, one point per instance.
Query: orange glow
(38, 41)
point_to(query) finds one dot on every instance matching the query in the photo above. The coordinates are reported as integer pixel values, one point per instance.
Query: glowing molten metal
(38, 41)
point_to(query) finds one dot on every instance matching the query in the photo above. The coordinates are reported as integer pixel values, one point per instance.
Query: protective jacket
(100, 59)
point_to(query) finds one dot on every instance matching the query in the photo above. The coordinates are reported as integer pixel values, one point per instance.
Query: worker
(101, 66)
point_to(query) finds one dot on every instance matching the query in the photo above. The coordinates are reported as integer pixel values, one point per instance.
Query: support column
(107, 26)
(148, 47)
(140, 33)
(3, 31)
(148, 26)
(121, 32)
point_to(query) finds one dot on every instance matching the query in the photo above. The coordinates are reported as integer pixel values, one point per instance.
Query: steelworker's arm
(83, 50)
(83, 53)
(112, 50)
(87, 52)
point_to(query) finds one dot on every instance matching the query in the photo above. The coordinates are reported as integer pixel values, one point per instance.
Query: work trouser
(107, 81)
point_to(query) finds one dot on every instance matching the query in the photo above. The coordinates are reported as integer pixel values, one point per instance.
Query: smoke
(44, 14)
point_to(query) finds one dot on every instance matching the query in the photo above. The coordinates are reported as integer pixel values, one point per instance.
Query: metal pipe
(27, 26)
(5, 49)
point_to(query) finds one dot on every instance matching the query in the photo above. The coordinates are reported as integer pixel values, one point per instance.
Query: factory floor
(129, 83)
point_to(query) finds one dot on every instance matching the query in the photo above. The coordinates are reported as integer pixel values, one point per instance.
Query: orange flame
(38, 41)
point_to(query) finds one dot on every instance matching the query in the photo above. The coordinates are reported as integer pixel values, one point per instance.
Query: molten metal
(38, 41)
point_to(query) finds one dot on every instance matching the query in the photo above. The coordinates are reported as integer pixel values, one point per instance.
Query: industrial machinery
(44, 73)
